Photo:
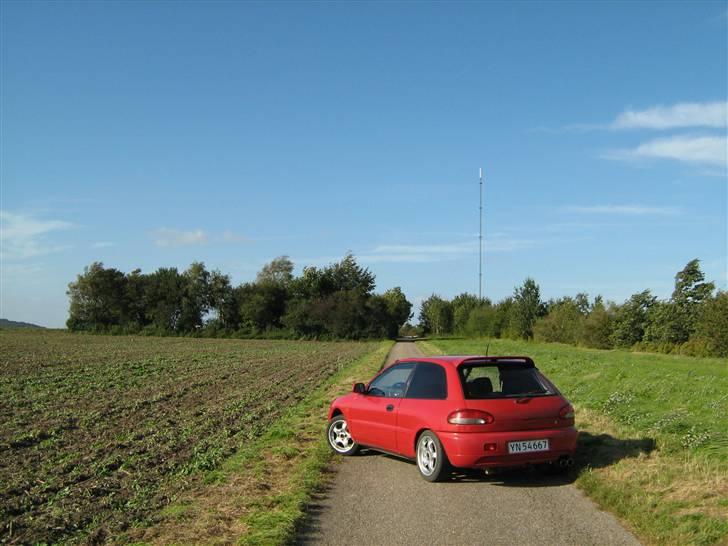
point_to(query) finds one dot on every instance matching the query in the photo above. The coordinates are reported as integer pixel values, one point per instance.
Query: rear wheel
(340, 438)
(431, 459)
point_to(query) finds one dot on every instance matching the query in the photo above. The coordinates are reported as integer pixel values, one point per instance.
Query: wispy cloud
(23, 236)
(427, 253)
(705, 149)
(631, 210)
(441, 252)
(165, 237)
(681, 115)
(232, 237)
(103, 244)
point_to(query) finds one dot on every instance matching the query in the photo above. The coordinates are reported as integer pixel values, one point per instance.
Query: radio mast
(480, 239)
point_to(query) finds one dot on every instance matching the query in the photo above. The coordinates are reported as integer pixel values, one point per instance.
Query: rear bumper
(467, 449)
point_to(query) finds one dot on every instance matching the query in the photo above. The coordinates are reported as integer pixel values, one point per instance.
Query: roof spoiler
(525, 360)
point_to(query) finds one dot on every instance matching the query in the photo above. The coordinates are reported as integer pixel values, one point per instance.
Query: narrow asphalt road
(378, 499)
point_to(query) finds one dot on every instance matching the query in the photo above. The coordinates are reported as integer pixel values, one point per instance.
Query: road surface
(378, 499)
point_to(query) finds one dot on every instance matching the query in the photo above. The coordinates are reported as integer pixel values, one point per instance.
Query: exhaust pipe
(566, 462)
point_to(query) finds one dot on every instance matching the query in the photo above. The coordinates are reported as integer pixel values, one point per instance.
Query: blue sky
(155, 134)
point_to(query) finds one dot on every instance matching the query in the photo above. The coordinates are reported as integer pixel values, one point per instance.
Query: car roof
(457, 360)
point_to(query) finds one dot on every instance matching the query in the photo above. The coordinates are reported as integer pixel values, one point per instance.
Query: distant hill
(5, 323)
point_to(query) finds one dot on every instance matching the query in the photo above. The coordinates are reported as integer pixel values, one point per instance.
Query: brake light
(470, 417)
(567, 412)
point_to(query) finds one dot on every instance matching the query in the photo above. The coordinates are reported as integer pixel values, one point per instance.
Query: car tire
(431, 458)
(339, 437)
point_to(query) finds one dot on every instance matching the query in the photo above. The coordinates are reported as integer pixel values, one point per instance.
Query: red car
(461, 411)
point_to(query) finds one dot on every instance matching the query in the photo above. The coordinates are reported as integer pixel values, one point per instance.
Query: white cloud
(681, 115)
(705, 149)
(23, 237)
(165, 237)
(634, 210)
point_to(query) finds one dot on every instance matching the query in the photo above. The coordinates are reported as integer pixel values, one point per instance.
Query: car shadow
(593, 451)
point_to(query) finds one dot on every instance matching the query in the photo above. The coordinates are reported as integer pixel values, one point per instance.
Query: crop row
(97, 432)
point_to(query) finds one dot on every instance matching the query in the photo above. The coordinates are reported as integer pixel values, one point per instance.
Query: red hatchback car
(461, 411)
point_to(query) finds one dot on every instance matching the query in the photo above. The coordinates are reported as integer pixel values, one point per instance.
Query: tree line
(693, 321)
(336, 301)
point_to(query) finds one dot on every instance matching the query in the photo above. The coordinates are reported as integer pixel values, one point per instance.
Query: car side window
(428, 382)
(393, 382)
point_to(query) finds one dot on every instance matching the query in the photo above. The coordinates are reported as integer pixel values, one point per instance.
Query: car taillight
(567, 412)
(470, 417)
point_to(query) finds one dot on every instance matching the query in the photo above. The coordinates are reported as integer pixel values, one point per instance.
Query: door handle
(390, 407)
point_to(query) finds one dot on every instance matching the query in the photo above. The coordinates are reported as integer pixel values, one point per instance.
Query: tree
(224, 301)
(163, 298)
(195, 298)
(712, 324)
(527, 307)
(135, 290)
(632, 319)
(279, 271)
(348, 275)
(97, 299)
(690, 292)
(398, 310)
(483, 321)
(462, 306)
(436, 315)
(673, 322)
(598, 326)
(563, 323)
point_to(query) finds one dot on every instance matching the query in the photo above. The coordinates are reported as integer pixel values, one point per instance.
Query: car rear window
(498, 381)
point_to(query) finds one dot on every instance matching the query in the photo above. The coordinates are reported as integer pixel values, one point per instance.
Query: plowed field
(97, 433)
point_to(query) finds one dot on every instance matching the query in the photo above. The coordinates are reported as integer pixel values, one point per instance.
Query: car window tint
(393, 382)
(429, 382)
(491, 381)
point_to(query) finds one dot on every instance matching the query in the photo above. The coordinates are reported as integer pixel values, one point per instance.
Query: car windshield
(499, 381)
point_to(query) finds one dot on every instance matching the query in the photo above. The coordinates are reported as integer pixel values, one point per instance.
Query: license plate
(528, 446)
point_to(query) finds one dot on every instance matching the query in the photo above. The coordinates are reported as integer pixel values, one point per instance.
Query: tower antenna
(480, 239)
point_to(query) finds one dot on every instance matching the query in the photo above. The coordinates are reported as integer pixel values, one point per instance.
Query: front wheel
(431, 459)
(340, 438)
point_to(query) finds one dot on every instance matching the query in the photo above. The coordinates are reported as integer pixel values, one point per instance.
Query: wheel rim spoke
(427, 456)
(339, 437)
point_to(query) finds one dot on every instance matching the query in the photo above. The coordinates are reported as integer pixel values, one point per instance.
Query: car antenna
(487, 346)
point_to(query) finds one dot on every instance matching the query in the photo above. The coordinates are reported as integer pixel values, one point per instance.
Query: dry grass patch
(666, 497)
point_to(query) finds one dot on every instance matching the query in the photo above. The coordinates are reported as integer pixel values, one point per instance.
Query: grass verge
(652, 446)
(259, 495)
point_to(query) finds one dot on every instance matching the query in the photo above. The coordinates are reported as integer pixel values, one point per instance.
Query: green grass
(654, 442)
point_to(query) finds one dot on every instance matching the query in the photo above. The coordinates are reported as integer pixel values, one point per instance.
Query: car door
(374, 415)
(425, 406)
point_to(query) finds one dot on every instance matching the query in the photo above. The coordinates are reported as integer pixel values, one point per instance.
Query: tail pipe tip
(566, 461)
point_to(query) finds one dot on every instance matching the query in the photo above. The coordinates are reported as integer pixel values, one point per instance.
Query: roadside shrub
(563, 323)
(712, 325)
(598, 327)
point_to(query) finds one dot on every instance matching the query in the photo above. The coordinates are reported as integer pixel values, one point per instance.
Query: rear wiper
(529, 393)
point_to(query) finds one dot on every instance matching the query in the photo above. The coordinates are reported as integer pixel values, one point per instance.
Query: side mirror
(359, 388)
